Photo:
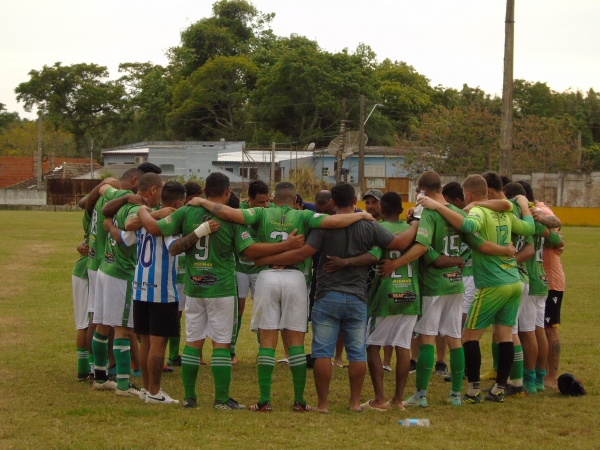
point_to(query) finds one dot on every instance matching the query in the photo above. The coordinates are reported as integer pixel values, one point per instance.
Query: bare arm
(494, 205)
(113, 206)
(549, 221)
(221, 211)
(95, 194)
(183, 244)
(134, 223)
(113, 231)
(287, 258)
(489, 248)
(525, 253)
(388, 266)
(149, 222)
(260, 249)
(404, 240)
(445, 262)
(343, 220)
(336, 263)
(83, 248)
(454, 218)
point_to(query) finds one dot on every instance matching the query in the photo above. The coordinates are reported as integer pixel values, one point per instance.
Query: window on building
(167, 168)
(324, 171)
(249, 172)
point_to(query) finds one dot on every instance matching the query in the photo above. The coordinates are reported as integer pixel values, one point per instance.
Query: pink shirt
(552, 264)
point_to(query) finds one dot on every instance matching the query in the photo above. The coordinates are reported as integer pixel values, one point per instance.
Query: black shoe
(514, 391)
(175, 361)
(441, 368)
(471, 399)
(448, 379)
(190, 402)
(413, 366)
(498, 398)
(229, 405)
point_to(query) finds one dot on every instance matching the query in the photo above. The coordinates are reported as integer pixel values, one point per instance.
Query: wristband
(202, 230)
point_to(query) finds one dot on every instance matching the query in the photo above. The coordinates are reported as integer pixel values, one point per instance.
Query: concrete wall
(22, 196)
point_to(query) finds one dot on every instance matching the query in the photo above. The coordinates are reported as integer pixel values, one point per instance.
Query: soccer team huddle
(468, 258)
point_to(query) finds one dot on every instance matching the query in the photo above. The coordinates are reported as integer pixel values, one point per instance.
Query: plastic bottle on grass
(414, 422)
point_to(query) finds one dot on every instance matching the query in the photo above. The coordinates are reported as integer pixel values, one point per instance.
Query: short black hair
(528, 190)
(192, 188)
(172, 191)
(511, 190)
(322, 197)
(216, 184)
(299, 199)
(493, 181)
(505, 180)
(391, 204)
(130, 173)
(148, 180)
(343, 194)
(148, 167)
(257, 187)
(453, 190)
(233, 201)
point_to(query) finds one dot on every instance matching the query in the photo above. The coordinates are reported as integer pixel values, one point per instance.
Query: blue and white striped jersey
(155, 270)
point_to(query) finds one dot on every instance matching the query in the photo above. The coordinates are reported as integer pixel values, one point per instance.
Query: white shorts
(246, 282)
(470, 290)
(281, 301)
(527, 312)
(181, 295)
(215, 318)
(114, 305)
(391, 330)
(540, 309)
(441, 315)
(92, 275)
(80, 302)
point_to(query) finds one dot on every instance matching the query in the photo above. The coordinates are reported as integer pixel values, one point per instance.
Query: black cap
(569, 385)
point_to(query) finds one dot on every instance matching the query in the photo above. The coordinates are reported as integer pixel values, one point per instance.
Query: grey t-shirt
(347, 242)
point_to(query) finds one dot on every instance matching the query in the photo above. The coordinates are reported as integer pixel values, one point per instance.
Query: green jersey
(496, 227)
(181, 269)
(538, 283)
(98, 235)
(440, 238)
(275, 224)
(398, 293)
(80, 268)
(119, 257)
(520, 241)
(210, 263)
(242, 264)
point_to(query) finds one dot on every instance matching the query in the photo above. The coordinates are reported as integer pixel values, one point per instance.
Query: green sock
(91, 362)
(529, 381)
(424, 366)
(122, 352)
(100, 351)
(174, 343)
(516, 371)
(221, 370)
(83, 367)
(495, 354)
(266, 364)
(540, 374)
(237, 333)
(457, 368)
(298, 367)
(190, 365)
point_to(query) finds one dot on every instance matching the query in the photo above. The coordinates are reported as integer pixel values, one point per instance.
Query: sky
(451, 43)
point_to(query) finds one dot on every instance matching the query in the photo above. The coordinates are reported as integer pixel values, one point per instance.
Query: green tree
(77, 98)
(7, 118)
(21, 139)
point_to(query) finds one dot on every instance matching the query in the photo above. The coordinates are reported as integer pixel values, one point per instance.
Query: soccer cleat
(514, 391)
(83, 377)
(175, 361)
(387, 368)
(455, 400)
(161, 398)
(413, 366)
(441, 368)
(491, 375)
(530, 389)
(132, 391)
(229, 405)
(190, 402)
(108, 385)
(412, 401)
(261, 407)
(167, 369)
(300, 407)
(143, 394)
(498, 398)
(136, 373)
(471, 399)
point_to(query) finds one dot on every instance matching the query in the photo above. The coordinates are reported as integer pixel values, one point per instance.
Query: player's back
(155, 270)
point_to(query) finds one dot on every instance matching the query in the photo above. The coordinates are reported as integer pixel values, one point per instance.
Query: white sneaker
(132, 391)
(108, 385)
(143, 394)
(161, 397)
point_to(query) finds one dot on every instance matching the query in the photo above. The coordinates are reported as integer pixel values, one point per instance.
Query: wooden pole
(361, 145)
(272, 167)
(38, 161)
(506, 127)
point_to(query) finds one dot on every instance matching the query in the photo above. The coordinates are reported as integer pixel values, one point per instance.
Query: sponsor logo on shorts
(403, 297)
(203, 280)
(453, 276)
(110, 259)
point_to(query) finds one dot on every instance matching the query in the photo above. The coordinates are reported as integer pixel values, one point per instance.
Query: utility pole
(506, 127)
(579, 149)
(342, 140)
(273, 167)
(361, 144)
(40, 148)
(92, 159)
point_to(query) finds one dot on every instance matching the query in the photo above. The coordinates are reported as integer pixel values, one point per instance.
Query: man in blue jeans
(341, 297)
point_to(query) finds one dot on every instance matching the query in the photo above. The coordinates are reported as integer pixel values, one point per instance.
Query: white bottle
(414, 422)
(419, 208)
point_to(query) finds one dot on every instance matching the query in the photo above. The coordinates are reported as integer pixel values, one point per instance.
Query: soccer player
(281, 300)
(114, 289)
(497, 281)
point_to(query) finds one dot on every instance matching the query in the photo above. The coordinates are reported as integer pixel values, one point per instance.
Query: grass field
(42, 406)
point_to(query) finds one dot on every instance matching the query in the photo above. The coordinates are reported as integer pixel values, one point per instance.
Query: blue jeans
(335, 312)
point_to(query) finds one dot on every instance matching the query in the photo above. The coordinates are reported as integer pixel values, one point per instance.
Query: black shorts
(552, 313)
(156, 319)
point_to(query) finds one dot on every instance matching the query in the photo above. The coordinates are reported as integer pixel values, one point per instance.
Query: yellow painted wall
(568, 216)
